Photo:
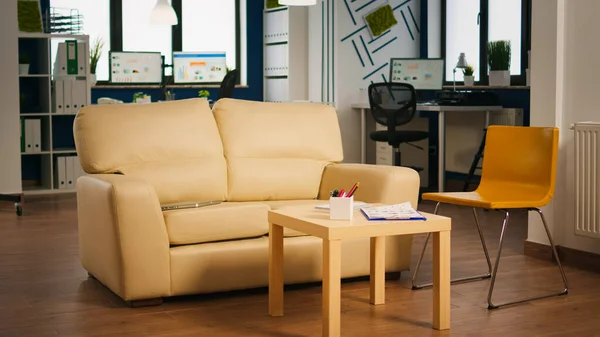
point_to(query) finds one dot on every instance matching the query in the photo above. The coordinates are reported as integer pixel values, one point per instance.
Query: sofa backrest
(175, 146)
(276, 151)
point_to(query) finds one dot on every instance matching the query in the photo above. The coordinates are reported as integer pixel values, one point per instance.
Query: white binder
(60, 63)
(61, 172)
(59, 96)
(79, 94)
(37, 134)
(70, 172)
(29, 138)
(82, 58)
(68, 96)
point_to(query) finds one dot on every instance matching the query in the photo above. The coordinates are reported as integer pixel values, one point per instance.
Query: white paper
(392, 212)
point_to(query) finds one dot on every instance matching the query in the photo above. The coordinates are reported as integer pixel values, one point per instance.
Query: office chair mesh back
(394, 102)
(228, 84)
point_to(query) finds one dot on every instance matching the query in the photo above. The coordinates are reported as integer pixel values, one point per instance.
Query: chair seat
(398, 136)
(497, 195)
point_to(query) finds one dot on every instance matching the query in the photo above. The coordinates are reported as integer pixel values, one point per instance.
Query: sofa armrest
(378, 183)
(123, 240)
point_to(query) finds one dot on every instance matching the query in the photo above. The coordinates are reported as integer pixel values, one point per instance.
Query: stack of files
(67, 171)
(276, 26)
(392, 212)
(276, 60)
(71, 59)
(31, 135)
(69, 95)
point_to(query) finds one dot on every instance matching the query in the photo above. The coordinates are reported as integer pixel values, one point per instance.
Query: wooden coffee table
(315, 222)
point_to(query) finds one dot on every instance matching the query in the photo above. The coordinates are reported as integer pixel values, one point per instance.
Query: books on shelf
(403, 211)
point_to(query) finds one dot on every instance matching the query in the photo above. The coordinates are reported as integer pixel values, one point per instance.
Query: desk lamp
(163, 14)
(462, 63)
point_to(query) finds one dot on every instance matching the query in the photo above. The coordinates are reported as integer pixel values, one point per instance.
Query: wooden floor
(45, 292)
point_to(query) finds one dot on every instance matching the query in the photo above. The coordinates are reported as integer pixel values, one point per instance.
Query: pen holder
(341, 208)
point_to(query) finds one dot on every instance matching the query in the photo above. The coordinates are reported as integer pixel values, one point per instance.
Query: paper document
(357, 204)
(392, 212)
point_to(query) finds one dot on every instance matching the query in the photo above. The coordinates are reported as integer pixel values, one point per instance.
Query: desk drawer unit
(384, 153)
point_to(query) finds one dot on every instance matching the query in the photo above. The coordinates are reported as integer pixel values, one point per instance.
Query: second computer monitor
(199, 67)
(422, 74)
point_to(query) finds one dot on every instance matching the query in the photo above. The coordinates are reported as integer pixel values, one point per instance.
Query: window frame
(116, 37)
(483, 39)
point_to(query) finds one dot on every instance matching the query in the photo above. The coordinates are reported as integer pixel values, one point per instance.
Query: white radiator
(513, 117)
(587, 179)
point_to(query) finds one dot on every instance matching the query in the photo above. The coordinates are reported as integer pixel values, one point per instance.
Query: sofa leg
(145, 303)
(393, 276)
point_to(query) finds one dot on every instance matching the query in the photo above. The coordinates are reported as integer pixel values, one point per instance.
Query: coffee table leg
(441, 280)
(275, 270)
(332, 254)
(377, 270)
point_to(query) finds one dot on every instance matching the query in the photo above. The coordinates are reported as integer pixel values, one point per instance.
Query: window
(124, 25)
(140, 35)
(462, 36)
(468, 25)
(505, 24)
(201, 17)
(96, 24)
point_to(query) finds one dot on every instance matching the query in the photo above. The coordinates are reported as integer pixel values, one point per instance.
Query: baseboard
(568, 256)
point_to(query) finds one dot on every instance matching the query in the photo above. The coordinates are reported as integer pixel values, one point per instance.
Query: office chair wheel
(19, 208)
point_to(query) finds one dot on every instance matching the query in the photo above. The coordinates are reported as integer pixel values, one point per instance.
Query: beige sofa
(253, 156)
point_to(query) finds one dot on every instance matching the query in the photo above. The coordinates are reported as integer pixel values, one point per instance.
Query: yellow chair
(519, 172)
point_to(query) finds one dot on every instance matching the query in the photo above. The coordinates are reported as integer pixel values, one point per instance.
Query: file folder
(72, 58)
(82, 58)
(60, 63)
(68, 96)
(61, 172)
(37, 134)
(29, 135)
(70, 172)
(59, 97)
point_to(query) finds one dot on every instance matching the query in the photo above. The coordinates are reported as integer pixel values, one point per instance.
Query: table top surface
(313, 221)
(434, 107)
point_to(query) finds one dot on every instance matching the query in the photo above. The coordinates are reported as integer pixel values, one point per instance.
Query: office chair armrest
(378, 183)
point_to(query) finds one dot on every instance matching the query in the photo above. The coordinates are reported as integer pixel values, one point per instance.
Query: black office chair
(228, 84)
(394, 104)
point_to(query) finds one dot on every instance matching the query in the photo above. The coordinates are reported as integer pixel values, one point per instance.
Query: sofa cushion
(276, 151)
(226, 221)
(175, 146)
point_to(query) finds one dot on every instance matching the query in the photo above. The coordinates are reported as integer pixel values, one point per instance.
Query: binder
(70, 172)
(59, 97)
(68, 96)
(72, 58)
(79, 94)
(60, 63)
(82, 58)
(29, 135)
(61, 172)
(37, 134)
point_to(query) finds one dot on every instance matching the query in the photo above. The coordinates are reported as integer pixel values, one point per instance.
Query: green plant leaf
(381, 20)
(499, 53)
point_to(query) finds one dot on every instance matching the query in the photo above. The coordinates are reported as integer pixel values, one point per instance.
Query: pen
(341, 193)
(354, 188)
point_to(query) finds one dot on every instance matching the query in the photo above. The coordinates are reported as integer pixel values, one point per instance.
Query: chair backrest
(523, 156)
(228, 84)
(393, 102)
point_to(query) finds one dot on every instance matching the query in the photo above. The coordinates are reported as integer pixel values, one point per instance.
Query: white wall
(10, 156)
(565, 81)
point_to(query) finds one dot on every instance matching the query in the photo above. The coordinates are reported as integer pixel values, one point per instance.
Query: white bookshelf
(285, 43)
(41, 102)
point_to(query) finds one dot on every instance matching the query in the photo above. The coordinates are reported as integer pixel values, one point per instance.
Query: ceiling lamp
(163, 14)
(298, 2)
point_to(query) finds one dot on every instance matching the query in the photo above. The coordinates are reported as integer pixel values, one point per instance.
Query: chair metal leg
(495, 272)
(416, 286)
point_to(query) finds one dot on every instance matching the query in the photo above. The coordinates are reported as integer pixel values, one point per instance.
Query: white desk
(364, 107)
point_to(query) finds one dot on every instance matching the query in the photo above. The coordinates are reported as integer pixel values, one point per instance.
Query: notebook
(392, 212)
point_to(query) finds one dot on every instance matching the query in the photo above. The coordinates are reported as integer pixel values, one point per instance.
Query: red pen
(341, 193)
(354, 188)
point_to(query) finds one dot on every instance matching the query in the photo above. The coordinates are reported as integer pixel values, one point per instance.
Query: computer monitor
(423, 74)
(199, 67)
(135, 67)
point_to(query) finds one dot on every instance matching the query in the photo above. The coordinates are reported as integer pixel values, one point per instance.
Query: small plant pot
(92, 80)
(23, 69)
(500, 78)
(469, 81)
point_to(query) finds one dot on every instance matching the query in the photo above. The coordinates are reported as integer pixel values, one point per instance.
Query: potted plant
(23, 64)
(95, 53)
(140, 97)
(204, 94)
(468, 72)
(499, 62)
